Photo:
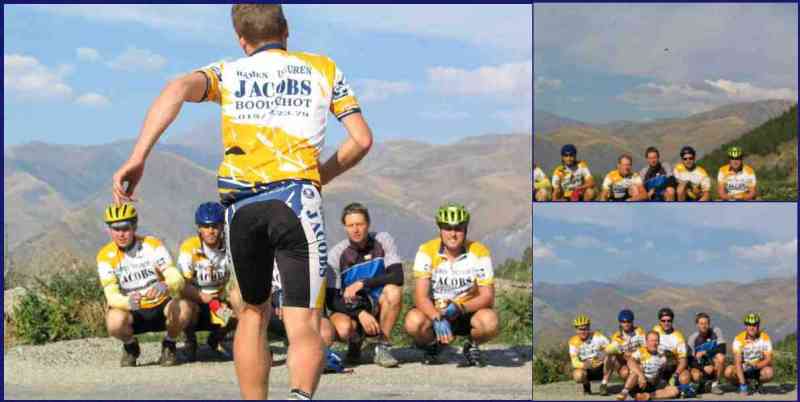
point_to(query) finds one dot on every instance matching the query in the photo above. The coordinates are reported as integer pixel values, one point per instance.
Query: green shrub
(515, 310)
(550, 365)
(67, 305)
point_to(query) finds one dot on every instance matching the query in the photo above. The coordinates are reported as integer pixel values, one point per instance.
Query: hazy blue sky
(604, 62)
(85, 74)
(678, 242)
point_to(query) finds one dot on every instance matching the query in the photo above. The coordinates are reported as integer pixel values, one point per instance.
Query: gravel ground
(567, 390)
(89, 369)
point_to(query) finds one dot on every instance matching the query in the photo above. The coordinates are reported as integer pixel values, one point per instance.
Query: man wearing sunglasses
(752, 352)
(141, 286)
(671, 341)
(694, 184)
(589, 357)
(625, 341)
(203, 263)
(736, 181)
(572, 180)
(454, 290)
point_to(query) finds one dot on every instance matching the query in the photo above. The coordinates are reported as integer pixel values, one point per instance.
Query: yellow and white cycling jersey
(136, 270)
(274, 114)
(207, 269)
(593, 348)
(623, 342)
(752, 350)
(569, 178)
(737, 182)
(651, 363)
(540, 180)
(618, 185)
(459, 280)
(697, 179)
(673, 342)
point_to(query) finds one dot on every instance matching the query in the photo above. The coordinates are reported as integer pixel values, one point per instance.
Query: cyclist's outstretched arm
(162, 112)
(352, 150)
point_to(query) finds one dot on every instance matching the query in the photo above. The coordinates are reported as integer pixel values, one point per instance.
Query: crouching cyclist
(752, 351)
(139, 281)
(203, 263)
(647, 373)
(706, 354)
(589, 357)
(454, 290)
(628, 339)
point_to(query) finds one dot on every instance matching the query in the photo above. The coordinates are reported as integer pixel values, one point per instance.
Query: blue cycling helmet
(209, 213)
(569, 149)
(625, 315)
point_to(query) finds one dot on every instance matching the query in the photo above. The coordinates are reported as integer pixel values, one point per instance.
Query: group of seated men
(657, 181)
(453, 293)
(662, 364)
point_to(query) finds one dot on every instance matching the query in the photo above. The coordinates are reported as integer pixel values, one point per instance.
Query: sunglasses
(689, 158)
(736, 159)
(666, 320)
(457, 228)
(121, 227)
(568, 155)
(625, 321)
(583, 329)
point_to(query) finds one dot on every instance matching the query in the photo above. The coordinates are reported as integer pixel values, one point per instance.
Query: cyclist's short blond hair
(259, 23)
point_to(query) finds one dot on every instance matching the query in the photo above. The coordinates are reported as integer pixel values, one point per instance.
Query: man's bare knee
(391, 296)
(118, 323)
(486, 322)
(579, 375)
(415, 322)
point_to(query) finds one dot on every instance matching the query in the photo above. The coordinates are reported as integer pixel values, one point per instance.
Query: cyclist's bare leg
(588, 195)
(669, 194)
(419, 327)
(326, 331)
(719, 365)
(305, 356)
(119, 324)
(680, 192)
(250, 352)
(580, 376)
(609, 365)
(344, 325)
(391, 301)
(179, 315)
(623, 370)
(484, 325)
(668, 392)
(696, 374)
(235, 298)
(766, 374)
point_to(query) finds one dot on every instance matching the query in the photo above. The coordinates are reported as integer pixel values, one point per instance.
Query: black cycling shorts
(150, 320)
(282, 225)
(462, 325)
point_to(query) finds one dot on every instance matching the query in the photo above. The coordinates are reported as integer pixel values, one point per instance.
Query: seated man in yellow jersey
(625, 341)
(541, 185)
(572, 180)
(647, 365)
(736, 181)
(706, 354)
(752, 357)
(693, 181)
(673, 344)
(589, 357)
(141, 286)
(454, 290)
(623, 184)
(202, 260)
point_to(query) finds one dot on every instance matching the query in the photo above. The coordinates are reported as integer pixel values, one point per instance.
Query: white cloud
(542, 251)
(87, 54)
(699, 97)
(26, 77)
(508, 82)
(510, 26)
(371, 90)
(674, 43)
(135, 59)
(93, 99)
(199, 20)
(542, 84)
(649, 245)
(516, 119)
(771, 256)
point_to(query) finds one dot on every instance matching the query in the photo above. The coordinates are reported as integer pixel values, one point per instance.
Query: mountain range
(555, 305)
(55, 194)
(601, 144)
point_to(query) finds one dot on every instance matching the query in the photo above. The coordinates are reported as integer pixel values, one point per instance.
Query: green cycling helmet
(452, 214)
(734, 152)
(752, 318)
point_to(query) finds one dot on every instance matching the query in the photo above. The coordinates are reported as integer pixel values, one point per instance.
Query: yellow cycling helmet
(752, 318)
(734, 152)
(452, 214)
(581, 320)
(120, 213)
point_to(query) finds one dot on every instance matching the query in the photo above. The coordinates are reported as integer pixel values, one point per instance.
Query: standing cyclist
(274, 113)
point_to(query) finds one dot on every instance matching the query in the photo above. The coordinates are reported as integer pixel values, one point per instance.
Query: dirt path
(567, 390)
(89, 369)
